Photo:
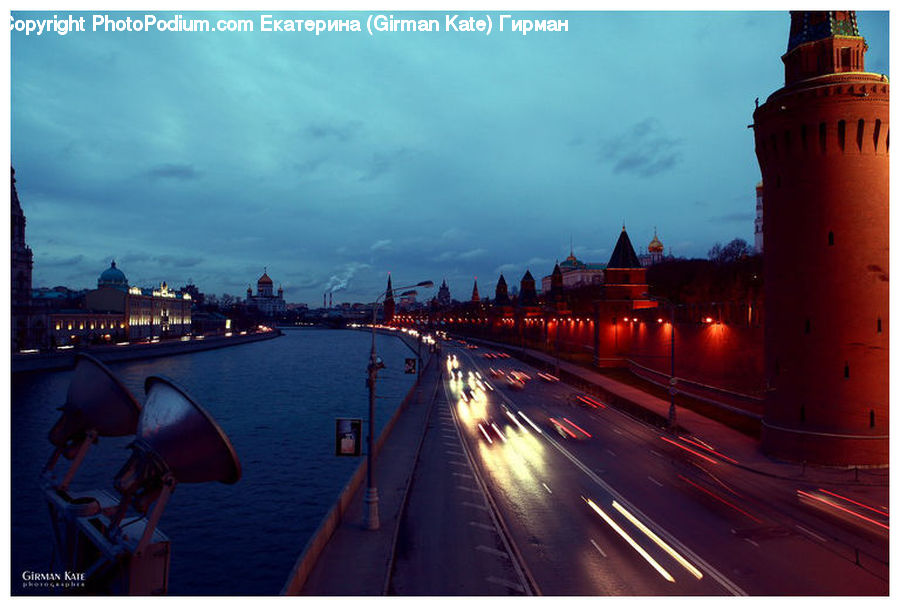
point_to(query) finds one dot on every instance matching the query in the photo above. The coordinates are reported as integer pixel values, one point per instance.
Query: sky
(332, 160)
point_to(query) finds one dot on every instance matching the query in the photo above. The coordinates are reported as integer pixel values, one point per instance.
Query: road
(596, 503)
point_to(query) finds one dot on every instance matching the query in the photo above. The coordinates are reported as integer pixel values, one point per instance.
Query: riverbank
(65, 359)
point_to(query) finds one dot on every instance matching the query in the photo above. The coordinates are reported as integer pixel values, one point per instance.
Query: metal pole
(672, 357)
(372, 520)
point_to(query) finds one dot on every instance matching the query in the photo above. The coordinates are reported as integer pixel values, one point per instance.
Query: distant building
(475, 297)
(758, 224)
(575, 274)
(389, 301)
(115, 311)
(21, 263)
(501, 294)
(527, 291)
(266, 301)
(654, 252)
(443, 295)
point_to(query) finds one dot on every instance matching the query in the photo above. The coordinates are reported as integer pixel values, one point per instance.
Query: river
(276, 400)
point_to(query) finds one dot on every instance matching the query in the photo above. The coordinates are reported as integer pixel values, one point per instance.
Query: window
(806, 329)
(878, 325)
(830, 239)
(841, 132)
(876, 134)
(846, 370)
(845, 59)
(860, 128)
(822, 128)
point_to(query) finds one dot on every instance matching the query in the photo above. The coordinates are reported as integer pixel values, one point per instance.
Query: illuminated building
(475, 297)
(822, 147)
(265, 300)
(146, 312)
(575, 274)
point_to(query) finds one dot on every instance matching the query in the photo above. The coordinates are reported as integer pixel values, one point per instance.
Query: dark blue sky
(335, 159)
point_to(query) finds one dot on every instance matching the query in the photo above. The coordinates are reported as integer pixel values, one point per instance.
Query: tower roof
(623, 256)
(809, 26)
(264, 279)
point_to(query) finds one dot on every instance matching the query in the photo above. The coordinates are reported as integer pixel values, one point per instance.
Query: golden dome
(655, 245)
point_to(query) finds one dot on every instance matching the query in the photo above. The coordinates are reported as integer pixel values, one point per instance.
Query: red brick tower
(822, 146)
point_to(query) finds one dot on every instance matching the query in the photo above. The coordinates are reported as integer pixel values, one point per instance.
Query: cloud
(178, 262)
(381, 244)
(342, 133)
(472, 254)
(381, 163)
(61, 261)
(184, 172)
(643, 150)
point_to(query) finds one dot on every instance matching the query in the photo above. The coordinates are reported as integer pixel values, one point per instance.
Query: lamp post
(372, 520)
(672, 381)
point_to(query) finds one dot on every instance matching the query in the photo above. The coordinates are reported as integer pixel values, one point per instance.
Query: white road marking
(611, 452)
(546, 487)
(452, 452)
(599, 549)
(458, 463)
(479, 506)
(656, 453)
(462, 474)
(500, 582)
(493, 551)
(482, 526)
(655, 482)
(810, 533)
(747, 539)
(617, 431)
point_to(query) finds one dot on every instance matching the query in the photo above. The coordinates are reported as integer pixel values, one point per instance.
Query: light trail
(681, 560)
(708, 448)
(530, 423)
(659, 568)
(853, 502)
(723, 500)
(842, 509)
(576, 426)
(700, 455)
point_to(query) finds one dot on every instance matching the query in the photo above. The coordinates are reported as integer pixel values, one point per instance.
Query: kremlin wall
(807, 359)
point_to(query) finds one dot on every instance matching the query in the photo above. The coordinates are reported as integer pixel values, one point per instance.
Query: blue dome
(112, 277)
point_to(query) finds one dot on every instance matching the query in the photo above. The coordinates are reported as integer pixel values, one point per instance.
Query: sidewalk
(356, 561)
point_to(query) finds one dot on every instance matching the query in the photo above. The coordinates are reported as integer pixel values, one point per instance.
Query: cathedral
(265, 300)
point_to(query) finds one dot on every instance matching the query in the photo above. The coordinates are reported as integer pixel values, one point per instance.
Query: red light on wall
(659, 320)
(708, 319)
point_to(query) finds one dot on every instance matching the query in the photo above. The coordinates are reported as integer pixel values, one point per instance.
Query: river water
(277, 401)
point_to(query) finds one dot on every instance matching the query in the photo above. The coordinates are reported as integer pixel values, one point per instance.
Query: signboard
(347, 437)
(410, 365)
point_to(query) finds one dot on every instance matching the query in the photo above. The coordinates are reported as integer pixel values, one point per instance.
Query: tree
(735, 250)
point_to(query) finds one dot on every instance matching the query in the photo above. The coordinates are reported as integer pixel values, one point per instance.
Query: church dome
(112, 277)
(264, 279)
(655, 246)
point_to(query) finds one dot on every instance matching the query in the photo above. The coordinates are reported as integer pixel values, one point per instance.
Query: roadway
(596, 503)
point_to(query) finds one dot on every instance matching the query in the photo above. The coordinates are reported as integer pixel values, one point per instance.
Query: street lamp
(672, 380)
(372, 520)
